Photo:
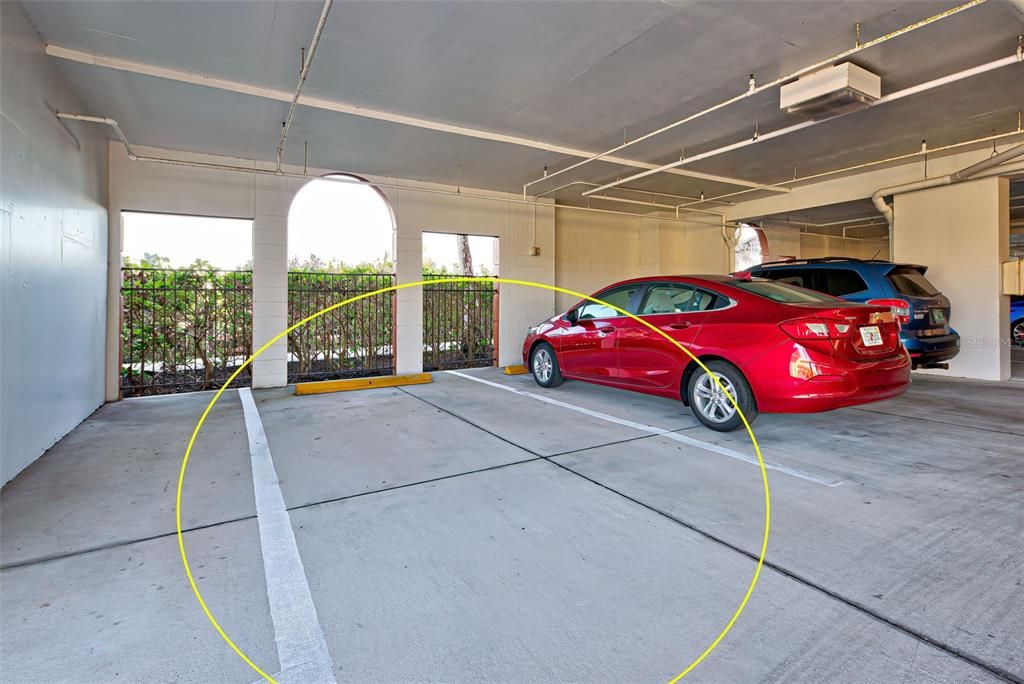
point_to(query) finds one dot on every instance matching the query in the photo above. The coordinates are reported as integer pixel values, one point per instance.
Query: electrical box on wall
(1013, 277)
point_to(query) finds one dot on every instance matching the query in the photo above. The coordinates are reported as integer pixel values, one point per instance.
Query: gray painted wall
(53, 255)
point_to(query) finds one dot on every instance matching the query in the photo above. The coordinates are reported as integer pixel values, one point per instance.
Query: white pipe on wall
(755, 90)
(100, 120)
(347, 177)
(761, 137)
(878, 198)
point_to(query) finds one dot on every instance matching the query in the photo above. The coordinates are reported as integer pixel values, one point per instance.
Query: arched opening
(751, 246)
(340, 244)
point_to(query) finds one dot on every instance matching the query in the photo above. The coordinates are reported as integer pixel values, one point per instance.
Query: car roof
(689, 278)
(840, 262)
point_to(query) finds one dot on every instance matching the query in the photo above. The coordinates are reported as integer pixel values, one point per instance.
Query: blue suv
(922, 310)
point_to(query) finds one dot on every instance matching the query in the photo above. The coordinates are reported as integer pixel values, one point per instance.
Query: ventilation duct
(830, 91)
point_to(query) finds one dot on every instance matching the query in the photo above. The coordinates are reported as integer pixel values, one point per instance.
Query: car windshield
(911, 282)
(781, 292)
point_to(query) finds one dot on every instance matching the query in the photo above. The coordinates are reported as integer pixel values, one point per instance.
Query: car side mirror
(572, 315)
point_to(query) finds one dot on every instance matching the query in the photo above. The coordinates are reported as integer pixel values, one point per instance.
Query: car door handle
(609, 329)
(680, 326)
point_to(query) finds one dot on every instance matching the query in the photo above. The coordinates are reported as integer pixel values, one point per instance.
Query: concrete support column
(961, 232)
(409, 302)
(270, 298)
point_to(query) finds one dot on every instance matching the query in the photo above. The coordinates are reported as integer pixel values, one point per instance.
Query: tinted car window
(781, 292)
(841, 281)
(794, 276)
(911, 282)
(619, 296)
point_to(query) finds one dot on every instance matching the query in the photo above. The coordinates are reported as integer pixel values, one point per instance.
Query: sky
(334, 221)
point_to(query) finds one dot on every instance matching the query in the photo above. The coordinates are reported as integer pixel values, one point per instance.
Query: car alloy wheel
(711, 401)
(542, 365)
(1018, 334)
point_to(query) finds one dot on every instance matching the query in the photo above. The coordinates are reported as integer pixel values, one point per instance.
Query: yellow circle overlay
(467, 279)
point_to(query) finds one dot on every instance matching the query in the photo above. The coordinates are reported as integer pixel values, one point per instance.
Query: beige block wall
(961, 232)
(594, 249)
(814, 246)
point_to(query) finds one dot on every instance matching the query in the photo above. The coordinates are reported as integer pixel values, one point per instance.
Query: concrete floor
(460, 532)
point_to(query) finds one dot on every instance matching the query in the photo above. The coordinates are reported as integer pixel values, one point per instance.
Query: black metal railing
(356, 340)
(183, 329)
(459, 324)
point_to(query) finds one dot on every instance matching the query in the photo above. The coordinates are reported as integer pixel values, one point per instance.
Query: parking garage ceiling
(576, 74)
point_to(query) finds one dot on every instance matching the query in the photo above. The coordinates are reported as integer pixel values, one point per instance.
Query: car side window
(619, 296)
(710, 301)
(674, 298)
(840, 282)
(791, 276)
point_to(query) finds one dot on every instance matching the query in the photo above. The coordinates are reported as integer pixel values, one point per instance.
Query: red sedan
(776, 348)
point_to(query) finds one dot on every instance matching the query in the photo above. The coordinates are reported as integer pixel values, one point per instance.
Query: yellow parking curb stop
(348, 385)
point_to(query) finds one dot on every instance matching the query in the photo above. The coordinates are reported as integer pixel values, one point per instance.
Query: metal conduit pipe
(411, 188)
(878, 198)
(653, 205)
(106, 120)
(779, 81)
(332, 176)
(877, 162)
(1015, 58)
(307, 63)
(641, 191)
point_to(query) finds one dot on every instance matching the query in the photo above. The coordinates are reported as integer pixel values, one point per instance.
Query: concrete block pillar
(409, 302)
(270, 298)
(961, 232)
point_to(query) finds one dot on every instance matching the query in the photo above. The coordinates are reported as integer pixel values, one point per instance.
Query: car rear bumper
(848, 384)
(930, 350)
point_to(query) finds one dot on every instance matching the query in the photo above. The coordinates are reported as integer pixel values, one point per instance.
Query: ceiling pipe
(347, 177)
(867, 221)
(106, 120)
(966, 173)
(758, 89)
(307, 63)
(637, 190)
(361, 112)
(331, 176)
(1015, 58)
(654, 205)
(877, 162)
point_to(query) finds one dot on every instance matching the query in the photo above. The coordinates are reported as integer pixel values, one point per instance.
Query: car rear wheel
(544, 366)
(710, 404)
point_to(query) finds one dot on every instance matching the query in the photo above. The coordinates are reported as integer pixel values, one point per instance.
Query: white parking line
(654, 430)
(301, 648)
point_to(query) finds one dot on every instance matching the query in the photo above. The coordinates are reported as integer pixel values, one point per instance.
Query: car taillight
(801, 366)
(815, 329)
(900, 308)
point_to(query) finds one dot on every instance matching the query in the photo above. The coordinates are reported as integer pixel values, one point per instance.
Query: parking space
(472, 529)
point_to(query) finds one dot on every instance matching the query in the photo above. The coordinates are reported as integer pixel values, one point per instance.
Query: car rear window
(911, 282)
(840, 282)
(781, 292)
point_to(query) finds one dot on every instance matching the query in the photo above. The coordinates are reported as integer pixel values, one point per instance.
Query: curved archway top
(340, 224)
